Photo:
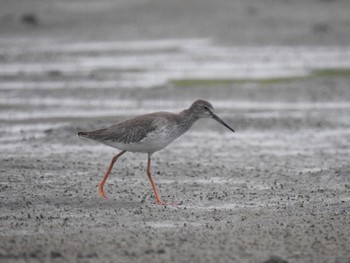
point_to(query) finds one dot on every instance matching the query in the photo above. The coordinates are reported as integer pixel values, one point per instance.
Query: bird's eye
(205, 107)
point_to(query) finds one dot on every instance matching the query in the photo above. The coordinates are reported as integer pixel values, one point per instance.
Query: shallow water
(157, 62)
(38, 79)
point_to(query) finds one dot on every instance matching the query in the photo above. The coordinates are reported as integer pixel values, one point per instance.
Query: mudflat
(277, 190)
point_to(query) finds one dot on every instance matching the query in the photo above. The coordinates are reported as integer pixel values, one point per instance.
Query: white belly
(152, 143)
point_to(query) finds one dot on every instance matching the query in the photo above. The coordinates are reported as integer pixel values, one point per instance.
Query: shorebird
(150, 133)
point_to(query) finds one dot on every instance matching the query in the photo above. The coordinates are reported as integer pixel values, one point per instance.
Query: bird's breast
(152, 142)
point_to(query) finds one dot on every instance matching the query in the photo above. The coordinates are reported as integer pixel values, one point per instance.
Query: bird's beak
(215, 117)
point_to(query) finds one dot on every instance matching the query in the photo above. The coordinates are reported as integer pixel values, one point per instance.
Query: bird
(148, 134)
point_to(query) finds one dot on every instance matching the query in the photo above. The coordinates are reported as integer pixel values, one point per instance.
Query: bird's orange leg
(102, 183)
(158, 200)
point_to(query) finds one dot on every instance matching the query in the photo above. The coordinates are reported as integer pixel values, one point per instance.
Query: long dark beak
(215, 117)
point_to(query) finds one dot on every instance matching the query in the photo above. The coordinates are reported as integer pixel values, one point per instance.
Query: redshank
(150, 133)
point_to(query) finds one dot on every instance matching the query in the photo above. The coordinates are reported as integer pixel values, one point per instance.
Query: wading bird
(150, 133)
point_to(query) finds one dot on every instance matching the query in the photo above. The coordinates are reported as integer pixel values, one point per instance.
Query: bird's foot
(101, 193)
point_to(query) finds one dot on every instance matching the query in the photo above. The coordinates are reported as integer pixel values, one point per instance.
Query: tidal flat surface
(278, 188)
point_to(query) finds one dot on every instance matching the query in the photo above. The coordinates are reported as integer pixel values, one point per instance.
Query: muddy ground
(277, 190)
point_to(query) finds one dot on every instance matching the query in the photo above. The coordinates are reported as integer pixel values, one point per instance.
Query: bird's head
(204, 109)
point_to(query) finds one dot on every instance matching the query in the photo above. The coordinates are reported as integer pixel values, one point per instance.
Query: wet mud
(277, 190)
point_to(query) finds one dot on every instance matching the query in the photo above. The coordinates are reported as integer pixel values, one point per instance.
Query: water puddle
(156, 63)
(45, 81)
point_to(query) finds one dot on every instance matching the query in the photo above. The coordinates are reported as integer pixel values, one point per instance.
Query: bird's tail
(83, 134)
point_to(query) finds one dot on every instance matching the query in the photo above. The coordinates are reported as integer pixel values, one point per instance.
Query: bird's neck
(187, 118)
(184, 121)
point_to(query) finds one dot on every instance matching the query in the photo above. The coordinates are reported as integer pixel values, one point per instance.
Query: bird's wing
(126, 132)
